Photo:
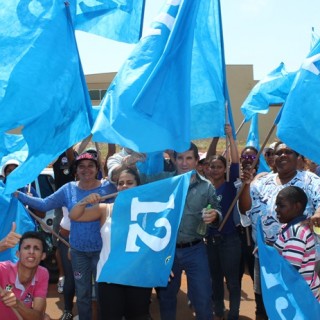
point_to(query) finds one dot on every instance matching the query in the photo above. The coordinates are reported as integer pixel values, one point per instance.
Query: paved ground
(247, 307)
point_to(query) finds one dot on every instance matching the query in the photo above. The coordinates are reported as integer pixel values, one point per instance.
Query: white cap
(11, 161)
(272, 145)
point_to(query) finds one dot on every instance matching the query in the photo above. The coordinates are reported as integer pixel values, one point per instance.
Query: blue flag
(171, 88)
(253, 140)
(42, 86)
(273, 89)
(299, 123)
(10, 143)
(11, 210)
(286, 295)
(116, 20)
(314, 38)
(144, 229)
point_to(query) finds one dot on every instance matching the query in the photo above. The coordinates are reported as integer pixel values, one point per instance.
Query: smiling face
(285, 159)
(126, 181)
(87, 170)
(247, 158)
(218, 169)
(186, 161)
(31, 253)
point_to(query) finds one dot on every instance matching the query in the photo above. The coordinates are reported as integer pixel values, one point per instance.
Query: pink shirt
(297, 244)
(37, 289)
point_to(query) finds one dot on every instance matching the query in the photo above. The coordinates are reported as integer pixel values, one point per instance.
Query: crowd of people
(286, 200)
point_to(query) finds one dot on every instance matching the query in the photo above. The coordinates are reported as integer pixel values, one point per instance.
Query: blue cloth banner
(299, 123)
(10, 143)
(171, 88)
(286, 295)
(144, 229)
(273, 89)
(11, 210)
(42, 92)
(253, 140)
(116, 20)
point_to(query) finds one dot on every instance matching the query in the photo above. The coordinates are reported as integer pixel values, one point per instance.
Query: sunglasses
(269, 153)
(248, 157)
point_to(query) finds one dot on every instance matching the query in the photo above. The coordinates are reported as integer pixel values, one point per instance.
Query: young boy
(296, 242)
(24, 285)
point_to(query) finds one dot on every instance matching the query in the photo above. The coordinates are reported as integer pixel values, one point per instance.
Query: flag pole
(99, 160)
(252, 166)
(227, 144)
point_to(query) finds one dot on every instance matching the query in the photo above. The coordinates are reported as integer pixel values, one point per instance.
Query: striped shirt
(296, 243)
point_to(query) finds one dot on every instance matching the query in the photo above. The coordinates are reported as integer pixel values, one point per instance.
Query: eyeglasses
(269, 154)
(249, 157)
(286, 152)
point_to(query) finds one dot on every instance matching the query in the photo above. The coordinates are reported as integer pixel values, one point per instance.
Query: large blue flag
(10, 143)
(42, 86)
(253, 140)
(299, 123)
(113, 19)
(273, 89)
(11, 210)
(286, 295)
(171, 89)
(144, 229)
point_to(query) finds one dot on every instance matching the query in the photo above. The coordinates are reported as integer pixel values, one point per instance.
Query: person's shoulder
(42, 273)
(8, 265)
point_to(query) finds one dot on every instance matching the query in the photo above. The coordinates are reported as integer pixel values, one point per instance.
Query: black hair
(193, 148)
(255, 150)
(134, 172)
(281, 142)
(34, 235)
(219, 157)
(250, 148)
(294, 194)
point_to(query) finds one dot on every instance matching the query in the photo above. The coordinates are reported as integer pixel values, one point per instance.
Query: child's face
(286, 210)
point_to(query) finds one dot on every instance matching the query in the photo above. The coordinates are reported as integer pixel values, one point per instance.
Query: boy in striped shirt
(296, 242)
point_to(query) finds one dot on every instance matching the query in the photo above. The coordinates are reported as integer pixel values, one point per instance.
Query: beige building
(240, 82)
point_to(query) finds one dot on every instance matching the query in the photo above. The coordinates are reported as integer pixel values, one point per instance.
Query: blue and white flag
(286, 295)
(172, 88)
(113, 19)
(11, 210)
(299, 123)
(273, 89)
(145, 222)
(42, 86)
(254, 141)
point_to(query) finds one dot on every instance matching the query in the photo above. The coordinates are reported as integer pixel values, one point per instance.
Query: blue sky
(258, 32)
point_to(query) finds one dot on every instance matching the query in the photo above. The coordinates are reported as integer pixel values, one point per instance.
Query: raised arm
(212, 150)
(233, 145)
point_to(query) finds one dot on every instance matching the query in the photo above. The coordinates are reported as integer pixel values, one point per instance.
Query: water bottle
(202, 227)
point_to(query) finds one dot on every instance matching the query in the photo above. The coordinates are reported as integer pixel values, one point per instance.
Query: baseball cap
(86, 156)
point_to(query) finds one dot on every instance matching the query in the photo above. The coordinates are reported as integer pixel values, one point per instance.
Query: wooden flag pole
(227, 144)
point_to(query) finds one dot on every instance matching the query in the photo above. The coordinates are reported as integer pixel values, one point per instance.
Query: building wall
(240, 82)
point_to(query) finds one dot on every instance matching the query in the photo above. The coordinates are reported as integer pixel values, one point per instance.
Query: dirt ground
(247, 306)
